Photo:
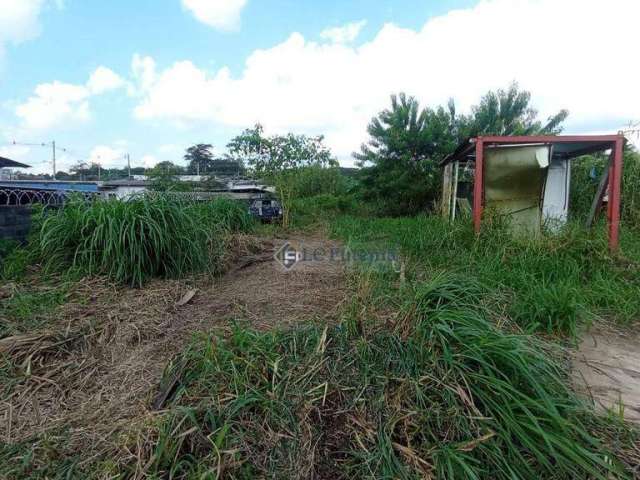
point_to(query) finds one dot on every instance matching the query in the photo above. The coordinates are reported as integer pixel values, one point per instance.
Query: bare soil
(607, 370)
(90, 378)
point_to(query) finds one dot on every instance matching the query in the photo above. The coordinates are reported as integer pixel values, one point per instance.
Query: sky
(149, 78)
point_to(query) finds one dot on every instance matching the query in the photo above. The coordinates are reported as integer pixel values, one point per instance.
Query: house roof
(564, 146)
(5, 162)
(126, 183)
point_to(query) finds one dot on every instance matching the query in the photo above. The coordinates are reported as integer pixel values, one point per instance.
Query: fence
(10, 197)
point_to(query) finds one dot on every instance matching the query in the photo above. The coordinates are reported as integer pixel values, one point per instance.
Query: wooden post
(596, 204)
(478, 185)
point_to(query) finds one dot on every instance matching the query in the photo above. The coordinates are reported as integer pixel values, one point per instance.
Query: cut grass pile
(435, 390)
(551, 284)
(148, 236)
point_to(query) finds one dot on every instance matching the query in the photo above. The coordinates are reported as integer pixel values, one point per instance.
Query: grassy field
(550, 285)
(434, 389)
(451, 363)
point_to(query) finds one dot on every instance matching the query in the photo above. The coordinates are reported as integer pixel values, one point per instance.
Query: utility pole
(129, 165)
(53, 144)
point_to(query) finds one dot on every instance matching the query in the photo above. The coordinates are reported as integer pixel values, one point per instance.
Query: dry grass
(87, 382)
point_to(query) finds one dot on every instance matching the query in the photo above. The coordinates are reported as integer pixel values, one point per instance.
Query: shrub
(316, 180)
(141, 238)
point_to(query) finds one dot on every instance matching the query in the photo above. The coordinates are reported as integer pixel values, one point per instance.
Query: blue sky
(151, 77)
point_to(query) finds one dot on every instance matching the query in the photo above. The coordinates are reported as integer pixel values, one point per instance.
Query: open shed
(528, 179)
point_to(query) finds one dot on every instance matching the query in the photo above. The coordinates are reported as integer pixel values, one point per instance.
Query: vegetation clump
(553, 284)
(436, 391)
(147, 236)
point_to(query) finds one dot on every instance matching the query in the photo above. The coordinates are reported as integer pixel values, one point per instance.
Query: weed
(438, 392)
(134, 240)
(552, 284)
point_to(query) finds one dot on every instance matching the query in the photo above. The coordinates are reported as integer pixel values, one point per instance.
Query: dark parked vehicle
(266, 209)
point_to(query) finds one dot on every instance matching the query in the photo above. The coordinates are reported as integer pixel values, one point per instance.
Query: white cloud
(149, 161)
(19, 20)
(107, 157)
(171, 149)
(57, 103)
(104, 79)
(15, 152)
(344, 34)
(219, 14)
(335, 88)
(53, 103)
(144, 73)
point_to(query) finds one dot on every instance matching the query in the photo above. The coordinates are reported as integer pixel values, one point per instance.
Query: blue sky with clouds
(151, 77)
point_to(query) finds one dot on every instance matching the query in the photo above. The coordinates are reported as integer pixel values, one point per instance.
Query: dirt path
(93, 376)
(607, 369)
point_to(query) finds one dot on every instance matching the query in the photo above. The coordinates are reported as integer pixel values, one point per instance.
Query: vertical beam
(478, 185)
(454, 194)
(446, 190)
(615, 183)
(596, 204)
(609, 185)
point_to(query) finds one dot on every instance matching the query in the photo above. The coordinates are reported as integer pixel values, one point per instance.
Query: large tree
(400, 160)
(273, 154)
(199, 158)
(508, 112)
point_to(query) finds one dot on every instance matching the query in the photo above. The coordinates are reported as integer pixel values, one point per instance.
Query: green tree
(508, 112)
(199, 158)
(226, 166)
(164, 177)
(279, 159)
(400, 161)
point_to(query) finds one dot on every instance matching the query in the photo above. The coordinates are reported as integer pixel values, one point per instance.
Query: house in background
(123, 189)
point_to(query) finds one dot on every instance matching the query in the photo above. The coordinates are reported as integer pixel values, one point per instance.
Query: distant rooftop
(7, 163)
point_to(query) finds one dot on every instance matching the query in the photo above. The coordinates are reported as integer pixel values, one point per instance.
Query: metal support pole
(446, 190)
(615, 183)
(478, 185)
(53, 145)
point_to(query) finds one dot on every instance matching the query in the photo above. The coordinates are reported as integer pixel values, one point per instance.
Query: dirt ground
(93, 374)
(607, 369)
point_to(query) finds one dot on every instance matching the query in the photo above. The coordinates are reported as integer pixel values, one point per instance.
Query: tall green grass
(134, 240)
(437, 391)
(551, 284)
(583, 186)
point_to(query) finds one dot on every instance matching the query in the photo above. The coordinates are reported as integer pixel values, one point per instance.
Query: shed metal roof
(564, 146)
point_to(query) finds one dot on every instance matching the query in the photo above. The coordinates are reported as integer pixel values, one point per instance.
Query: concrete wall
(15, 222)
